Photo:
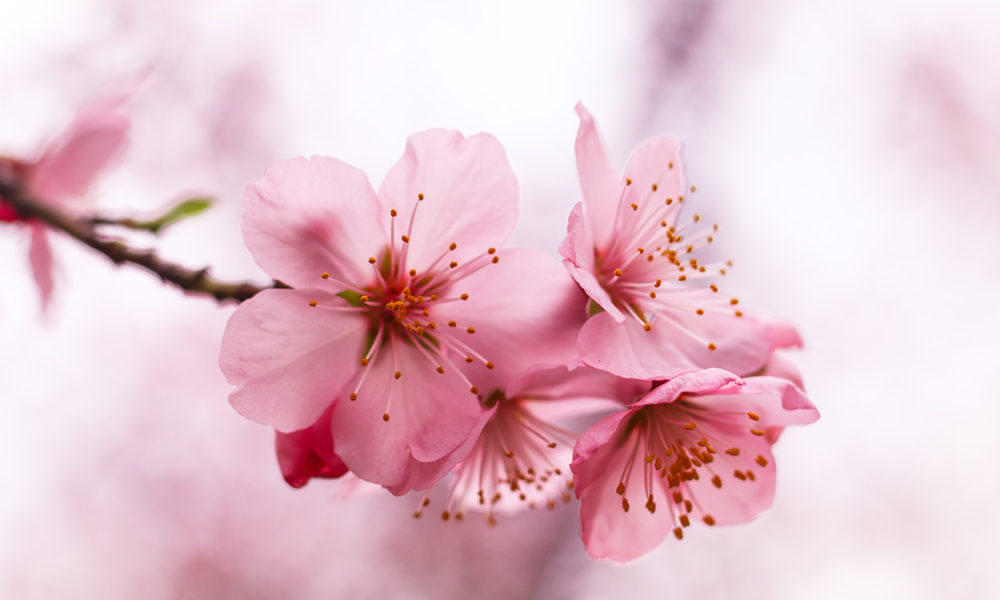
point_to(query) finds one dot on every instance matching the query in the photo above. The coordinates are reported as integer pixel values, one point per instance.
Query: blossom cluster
(412, 347)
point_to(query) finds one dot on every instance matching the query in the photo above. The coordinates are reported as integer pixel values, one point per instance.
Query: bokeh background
(850, 151)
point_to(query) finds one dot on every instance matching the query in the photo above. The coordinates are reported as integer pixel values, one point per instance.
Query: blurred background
(850, 152)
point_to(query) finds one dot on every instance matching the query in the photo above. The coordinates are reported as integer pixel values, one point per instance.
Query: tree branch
(195, 281)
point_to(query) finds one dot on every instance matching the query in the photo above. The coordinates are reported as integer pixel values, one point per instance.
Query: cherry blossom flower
(64, 172)
(403, 301)
(632, 250)
(521, 459)
(694, 447)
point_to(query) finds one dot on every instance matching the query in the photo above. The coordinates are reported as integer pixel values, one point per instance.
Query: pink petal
(40, 256)
(656, 162)
(289, 360)
(776, 401)
(578, 249)
(705, 381)
(71, 163)
(431, 415)
(308, 453)
(312, 216)
(525, 310)
(599, 461)
(628, 350)
(575, 381)
(599, 179)
(781, 333)
(469, 191)
(738, 500)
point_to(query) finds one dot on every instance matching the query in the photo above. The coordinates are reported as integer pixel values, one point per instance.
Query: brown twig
(195, 281)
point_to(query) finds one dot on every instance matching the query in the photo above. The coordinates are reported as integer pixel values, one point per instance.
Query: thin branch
(195, 281)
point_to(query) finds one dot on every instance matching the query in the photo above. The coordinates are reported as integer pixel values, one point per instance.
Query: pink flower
(631, 252)
(402, 304)
(694, 447)
(521, 459)
(64, 172)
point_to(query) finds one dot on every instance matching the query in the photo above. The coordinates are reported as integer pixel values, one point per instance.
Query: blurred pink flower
(401, 305)
(693, 447)
(521, 459)
(64, 172)
(629, 251)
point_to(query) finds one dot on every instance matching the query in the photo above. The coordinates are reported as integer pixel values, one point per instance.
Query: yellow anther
(365, 299)
(393, 213)
(699, 311)
(397, 374)
(445, 516)
(313, 303)
(658, 283)
(739, 475)
(647, 326)
(670, 165)
(452, 246)
(364, 361)
(625, 504)
(654, 187)
(678, 533)
(474, 390)
(620, 490)
(685, 521)
(738, 313)
(711, 346)
(652, 294)
(714, 287)
(690, 425)
(618, 272)
(471, 329)
(693, 189)
(325, 275)
(709, 520)
(453, 264)
(353, 396)
(490, 365)
(757, 431)
(753, 416)
(491, 251)
(385, 417)
(420, 196)
(734, 301)
(697, 218)
(405, 238)
(761, 460)
(733, 451)
(635, 206)
(495, 260)
(716, 481)
(452, 324)
(440, 369)
(371, 260)
(628, 181)
(469, 359)
(682, 278)
(464, 296)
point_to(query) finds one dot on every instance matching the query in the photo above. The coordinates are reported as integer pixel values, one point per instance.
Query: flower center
(678, 445)
(518, 460)
(400, 304)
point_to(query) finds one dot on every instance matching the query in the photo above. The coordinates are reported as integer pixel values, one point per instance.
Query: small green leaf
(186, 209)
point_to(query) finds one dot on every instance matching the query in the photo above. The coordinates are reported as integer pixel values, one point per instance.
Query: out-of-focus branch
(195, 281)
